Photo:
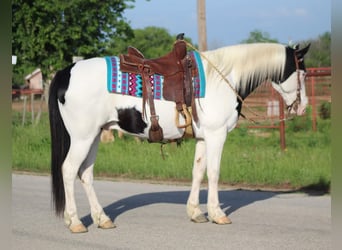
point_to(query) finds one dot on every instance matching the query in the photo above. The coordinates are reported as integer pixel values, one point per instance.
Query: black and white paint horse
(79, 106)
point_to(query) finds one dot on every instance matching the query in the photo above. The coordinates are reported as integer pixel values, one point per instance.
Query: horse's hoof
(79, 228)
(200, 219)
(222, 221)
(107, 225)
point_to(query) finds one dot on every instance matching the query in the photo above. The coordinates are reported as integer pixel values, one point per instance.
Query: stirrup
(187, 117)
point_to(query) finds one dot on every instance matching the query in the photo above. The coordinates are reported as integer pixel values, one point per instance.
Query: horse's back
(90, 74)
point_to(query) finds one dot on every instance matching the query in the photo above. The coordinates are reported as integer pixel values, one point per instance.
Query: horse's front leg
(215, 142)
(192, 206)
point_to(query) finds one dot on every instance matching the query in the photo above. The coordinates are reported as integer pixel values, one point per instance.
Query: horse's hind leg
(78, 152)
(86, 176)
(198, 171)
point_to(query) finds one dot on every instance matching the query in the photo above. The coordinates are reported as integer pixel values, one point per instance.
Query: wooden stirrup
(185, 112)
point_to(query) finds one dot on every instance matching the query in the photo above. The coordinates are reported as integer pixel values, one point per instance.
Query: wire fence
(263, 108)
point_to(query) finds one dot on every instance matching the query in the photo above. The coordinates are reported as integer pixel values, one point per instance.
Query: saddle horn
(180, 36)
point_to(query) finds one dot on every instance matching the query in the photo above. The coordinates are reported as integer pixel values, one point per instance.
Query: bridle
(294, 105)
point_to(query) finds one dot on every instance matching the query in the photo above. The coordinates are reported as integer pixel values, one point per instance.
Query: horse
(80, 105)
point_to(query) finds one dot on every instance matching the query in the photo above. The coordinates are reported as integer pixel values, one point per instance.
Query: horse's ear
(300, 53)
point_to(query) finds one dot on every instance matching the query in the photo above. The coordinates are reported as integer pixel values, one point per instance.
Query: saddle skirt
(131, 84)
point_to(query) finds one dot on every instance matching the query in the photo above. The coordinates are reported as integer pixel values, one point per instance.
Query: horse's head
(292, 85)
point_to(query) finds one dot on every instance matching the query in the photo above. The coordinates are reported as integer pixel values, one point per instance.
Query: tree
(257, 36)
(319, 53)
(48, 33)
(151, 41)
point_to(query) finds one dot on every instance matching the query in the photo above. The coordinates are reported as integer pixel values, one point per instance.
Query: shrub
(301, 123)
(325, 110)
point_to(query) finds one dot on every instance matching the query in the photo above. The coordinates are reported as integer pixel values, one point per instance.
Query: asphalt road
(153, 216)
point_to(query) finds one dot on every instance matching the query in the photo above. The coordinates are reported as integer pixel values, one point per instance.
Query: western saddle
(177, 69)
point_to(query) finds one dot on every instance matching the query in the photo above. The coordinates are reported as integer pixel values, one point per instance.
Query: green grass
(254, 160)
(248, 159)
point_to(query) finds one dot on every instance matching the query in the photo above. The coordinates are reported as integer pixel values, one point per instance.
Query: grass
(248, 159)
(253, 160)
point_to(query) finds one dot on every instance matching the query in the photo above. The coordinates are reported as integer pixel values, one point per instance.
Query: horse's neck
(246, 89)
(249, 65)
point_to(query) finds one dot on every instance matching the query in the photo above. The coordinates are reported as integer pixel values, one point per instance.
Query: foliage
(325, 110)
(31, 144)
(151, 41)
(47, 34)
(258, 36)
(259, 160)
(319, 53)
(300, 123)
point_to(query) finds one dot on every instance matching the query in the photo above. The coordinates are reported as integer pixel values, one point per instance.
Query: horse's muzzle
(296, 109)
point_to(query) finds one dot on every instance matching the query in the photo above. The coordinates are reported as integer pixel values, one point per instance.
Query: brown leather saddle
(177, 69)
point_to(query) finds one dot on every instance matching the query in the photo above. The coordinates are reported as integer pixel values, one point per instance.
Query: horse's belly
(165, 111)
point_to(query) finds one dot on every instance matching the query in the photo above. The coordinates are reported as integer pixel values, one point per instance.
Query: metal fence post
(282, 123)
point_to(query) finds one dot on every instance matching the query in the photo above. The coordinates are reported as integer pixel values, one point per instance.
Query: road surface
(153, 216)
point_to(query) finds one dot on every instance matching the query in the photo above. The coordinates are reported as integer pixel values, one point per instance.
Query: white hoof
(79, 228)
(102, 220)
(74, 224)
(222, 220)
(107, 225)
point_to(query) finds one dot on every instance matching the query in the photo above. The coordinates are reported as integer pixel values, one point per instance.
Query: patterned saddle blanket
(131, 84)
